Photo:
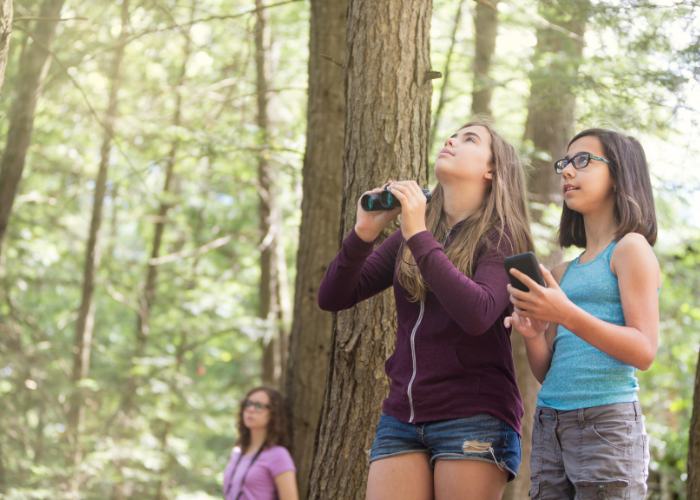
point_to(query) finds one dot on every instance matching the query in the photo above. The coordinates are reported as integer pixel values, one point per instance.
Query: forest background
(155, 169)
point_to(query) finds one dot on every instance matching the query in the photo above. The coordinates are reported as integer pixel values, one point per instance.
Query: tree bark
(268, 307)
(446, 75)
(550, 125)
(387, 129)
(5, 32)
(85, 321)
(486, 32)
(693, 489)
(32, 72)
(310, 337)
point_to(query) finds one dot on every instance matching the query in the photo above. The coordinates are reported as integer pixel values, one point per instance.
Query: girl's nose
(449, 142)
(569, 171)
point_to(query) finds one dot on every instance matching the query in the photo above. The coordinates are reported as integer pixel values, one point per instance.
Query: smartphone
(527, 264)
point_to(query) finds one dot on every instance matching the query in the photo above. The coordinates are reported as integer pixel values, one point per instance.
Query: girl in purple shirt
(261, 467)
(450, 427)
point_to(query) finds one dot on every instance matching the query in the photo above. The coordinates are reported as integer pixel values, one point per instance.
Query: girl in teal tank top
(594, 325)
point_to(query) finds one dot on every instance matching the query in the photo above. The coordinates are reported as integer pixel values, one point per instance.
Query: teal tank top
(580, 375)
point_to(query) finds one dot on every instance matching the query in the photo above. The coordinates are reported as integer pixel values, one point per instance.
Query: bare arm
(639, 277)
(286, 484)
(538, 343)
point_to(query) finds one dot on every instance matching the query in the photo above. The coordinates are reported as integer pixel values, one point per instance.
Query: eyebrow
(467, 134)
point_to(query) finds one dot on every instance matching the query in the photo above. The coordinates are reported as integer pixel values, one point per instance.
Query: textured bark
(446, 74)
(85, 321)
(486, 31)
(32, 73)
(310, 337)
(268, 306)
(5, 32)
(550, 125)
(693, 490)
(529, 387)
(387, 129)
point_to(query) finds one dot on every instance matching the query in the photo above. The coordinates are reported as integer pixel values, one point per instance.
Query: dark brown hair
(504, 208)
(277, 427)
(634, 200)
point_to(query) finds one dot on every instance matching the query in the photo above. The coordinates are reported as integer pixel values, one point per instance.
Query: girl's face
(465, 157)
(257, 412)
(587, 189)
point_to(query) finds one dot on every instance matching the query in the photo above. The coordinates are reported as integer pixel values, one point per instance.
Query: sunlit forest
(160, 253)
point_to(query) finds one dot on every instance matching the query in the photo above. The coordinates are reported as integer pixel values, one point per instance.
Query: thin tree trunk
(32, 72)
(486, 29)
(3, 474)
(85, 322)
(284, 300)
(5, 32)
(147, 299)
(310, 337)
(693, 490)
(443, 90)
(550, 124)
(271, 358)
(387, 129)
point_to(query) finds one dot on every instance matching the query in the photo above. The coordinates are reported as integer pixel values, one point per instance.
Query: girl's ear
(489, 175)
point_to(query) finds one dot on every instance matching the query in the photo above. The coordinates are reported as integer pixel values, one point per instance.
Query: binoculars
(384, 201)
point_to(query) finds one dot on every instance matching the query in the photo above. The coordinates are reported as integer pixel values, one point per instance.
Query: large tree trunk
(387, 129)
(550, 125)
(32, 72)
(693, 490)
(446, 75)
(85, 322)
(486, 29)
(268, 305)
(310, 337)
(5, 32)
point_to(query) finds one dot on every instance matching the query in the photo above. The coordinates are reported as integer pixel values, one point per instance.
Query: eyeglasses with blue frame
(578, 161)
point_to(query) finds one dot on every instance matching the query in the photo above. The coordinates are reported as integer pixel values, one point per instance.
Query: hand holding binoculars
(374, 202)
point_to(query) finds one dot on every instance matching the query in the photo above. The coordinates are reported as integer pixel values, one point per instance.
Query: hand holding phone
(527, 264)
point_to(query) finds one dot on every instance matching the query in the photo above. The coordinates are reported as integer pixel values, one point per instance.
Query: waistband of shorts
(616, 411)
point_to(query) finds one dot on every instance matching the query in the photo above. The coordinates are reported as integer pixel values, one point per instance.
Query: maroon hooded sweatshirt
(453, 357)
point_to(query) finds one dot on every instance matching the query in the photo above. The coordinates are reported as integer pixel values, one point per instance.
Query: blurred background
(148, 265)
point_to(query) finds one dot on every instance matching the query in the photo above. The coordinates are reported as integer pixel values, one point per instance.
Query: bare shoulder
(559, 270)
(634, 252)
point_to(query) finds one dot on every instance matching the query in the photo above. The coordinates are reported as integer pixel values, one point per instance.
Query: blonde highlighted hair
(504, 208)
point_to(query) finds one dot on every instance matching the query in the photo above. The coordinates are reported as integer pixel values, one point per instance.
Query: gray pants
(591, 453)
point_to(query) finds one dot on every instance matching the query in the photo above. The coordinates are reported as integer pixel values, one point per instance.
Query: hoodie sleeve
(358, 272)
(474, 304)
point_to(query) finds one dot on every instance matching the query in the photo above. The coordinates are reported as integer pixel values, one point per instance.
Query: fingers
(401, 192)
(525, 279)
(518, 294)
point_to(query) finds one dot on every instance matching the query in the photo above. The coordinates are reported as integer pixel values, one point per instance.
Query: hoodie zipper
(413, 354)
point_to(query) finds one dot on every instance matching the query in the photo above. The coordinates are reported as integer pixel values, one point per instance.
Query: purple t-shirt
(259, 483)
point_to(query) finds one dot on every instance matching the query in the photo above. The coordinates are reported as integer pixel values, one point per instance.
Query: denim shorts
(481, 438)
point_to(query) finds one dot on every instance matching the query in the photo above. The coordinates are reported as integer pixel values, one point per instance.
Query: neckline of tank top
(600, 254)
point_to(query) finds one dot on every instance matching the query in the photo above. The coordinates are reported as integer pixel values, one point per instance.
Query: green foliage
(203, 342)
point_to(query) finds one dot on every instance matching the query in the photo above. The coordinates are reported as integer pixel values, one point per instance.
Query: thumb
(548, 278)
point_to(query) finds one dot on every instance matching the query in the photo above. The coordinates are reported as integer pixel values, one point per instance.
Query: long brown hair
(277, 427)
(504, 208)
(634, 201)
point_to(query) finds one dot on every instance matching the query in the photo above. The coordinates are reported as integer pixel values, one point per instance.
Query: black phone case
(527, 264)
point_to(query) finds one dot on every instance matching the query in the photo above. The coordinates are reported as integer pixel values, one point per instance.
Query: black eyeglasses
(258, 407)
(577, 161)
